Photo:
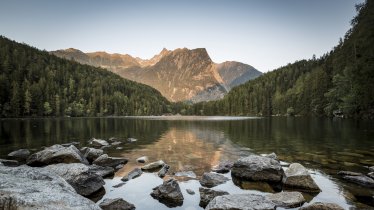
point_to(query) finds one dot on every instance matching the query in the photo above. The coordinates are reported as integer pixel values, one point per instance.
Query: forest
(36, 83)
(340, 83)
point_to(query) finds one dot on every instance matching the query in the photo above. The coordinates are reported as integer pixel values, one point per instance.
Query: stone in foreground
(56, 154)
(105, 160)
(169, 193)
(241, 201)
(206, 195)
(212, 179)
(287, 199)
(79, 176)
(258, 168)
(153, 166)
(116, 204)
(20, 155)
(298, 178)
(132, 174)
(25, 187)
(322, 206)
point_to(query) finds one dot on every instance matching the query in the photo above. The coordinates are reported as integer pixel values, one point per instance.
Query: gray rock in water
(132, 140)
(189, 174)
(322, 206)
(98, 142)
(132, 174)
(70, 143)
(103, 171)
(298, 178)
(143, 159)
(363, 180)
(371, 168)
(272, 156)
(349, 173)
(153, 166)
(91, 153)
(12, 163)
(223, 167)
(287, 199)
(25, 187)
(119, 166)
(212, 179)
(241, 201)
(116, 204)
(169, 193)
(163, 171)
(56, 154)
(105, 160)
(258, 168)
(79, 176)
(20, 155)
(371, 175)
(116, 143)
(206, 195)
(191, 192)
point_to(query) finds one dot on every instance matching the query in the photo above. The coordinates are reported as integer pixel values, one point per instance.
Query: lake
(324, 146)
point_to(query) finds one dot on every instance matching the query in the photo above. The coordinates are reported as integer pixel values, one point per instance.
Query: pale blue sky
(264, 33)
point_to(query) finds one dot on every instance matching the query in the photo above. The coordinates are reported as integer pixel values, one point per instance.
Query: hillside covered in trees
(341, 81)
(35, 83)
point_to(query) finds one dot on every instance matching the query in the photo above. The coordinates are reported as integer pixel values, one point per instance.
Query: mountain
(36, 83)
(339, 83)
(180, 75)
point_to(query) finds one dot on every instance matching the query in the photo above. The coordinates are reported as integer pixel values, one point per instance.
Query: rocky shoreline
(64, 177)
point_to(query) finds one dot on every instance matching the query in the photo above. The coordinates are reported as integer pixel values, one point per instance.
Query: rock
(163, 171)
(119, 185)
(105, 147)
(298, 178)
(322, 206)
(371, 175)
(131, 140)
(142, 159)
(105, 160)
(119, 148)
(79, 176)
(70, 143)
(212, 179)
(1, 164)
(119, 166)
(20, 155)
(116, 204)
(103, 171)
(12, 163)
(116, 143)
(287, 199)
(189, 174)
(25, 187)
(223, 167)
(349, 173)
(371, 168)
(206, 195)
(132, 174)
(361, 180)
(258, 168)
(98, 142)
(112, 139)
(241, 201)
(168, 193)
(56, 154)
(191, 192)
(91, 153)
(154, 165)
(272, 156)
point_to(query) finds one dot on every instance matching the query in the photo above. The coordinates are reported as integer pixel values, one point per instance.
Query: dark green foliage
(341, 80)
(35, 83)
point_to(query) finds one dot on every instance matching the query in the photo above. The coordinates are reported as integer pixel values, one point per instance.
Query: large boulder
(206, 195)
(105, 160)
(20, 155)
(322, 206)
(153, 166)
(79, 176)
(25, 187)
(287, 199)
(56, 154)
(212, 179)
(298, 178)
(116, 204)
(132, 174)
(91, 153)
(258, 168)
(103, 171)
(168, 193)
(241, 201)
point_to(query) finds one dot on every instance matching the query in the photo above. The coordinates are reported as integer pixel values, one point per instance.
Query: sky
(266, 34)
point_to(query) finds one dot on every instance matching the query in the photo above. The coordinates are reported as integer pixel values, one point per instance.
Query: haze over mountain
(180, 75)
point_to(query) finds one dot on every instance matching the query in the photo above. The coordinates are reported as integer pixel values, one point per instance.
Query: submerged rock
(371, 168)
(168, 193)
(91, 153)
(98, 142)
(349, 173)
(132, 174)
(212, 179)
(191, 192)
(116, 204)
(362, 180)
(258, 168)
(163, 171)
(223, 167)
(79, 176)
(153, 166)
(142, 159)
(287, 199)
(12, 163)
(25, 187)
(105, 160)
(56, 154)
(371, 175)
(241, 201)
(20, 155)
(322, 206)
(189, 174)
(298, 178)
(206, 195)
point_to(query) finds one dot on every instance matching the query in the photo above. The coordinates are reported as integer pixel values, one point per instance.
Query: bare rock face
(169, 193)
(206, 195)
(25, 187)
(287, 199)
(322, 206)
(20, 155)
(56, 154)
(212, 179)
(116, 204)
(258, 168)
(105, 160)
(242, 202)
(298, 178)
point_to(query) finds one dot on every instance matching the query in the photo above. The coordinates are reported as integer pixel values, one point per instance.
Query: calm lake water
(324, 146)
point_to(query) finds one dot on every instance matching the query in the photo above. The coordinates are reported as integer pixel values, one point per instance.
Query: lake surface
(324, 146)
